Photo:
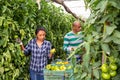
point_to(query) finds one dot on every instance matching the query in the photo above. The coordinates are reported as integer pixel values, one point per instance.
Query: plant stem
(103, 57)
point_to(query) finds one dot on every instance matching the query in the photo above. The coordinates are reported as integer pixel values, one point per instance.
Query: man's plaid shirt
(39, 55)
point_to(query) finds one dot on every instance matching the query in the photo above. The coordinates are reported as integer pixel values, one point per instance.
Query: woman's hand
(18, 40)
(50, 55)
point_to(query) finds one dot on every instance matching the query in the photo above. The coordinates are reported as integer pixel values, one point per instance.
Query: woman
(39, 48)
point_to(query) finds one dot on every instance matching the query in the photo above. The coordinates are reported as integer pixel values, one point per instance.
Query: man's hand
(72, 49)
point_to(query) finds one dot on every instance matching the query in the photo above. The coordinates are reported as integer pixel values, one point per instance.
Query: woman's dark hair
(40, 28)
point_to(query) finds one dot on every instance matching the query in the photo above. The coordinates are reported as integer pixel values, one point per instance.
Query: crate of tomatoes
(59, 70)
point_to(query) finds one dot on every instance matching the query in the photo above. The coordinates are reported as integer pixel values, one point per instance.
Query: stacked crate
(67, 74)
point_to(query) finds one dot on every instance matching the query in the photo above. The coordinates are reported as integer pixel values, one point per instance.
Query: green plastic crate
(58, 75)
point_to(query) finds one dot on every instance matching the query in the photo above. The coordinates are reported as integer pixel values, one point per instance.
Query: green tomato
(105, 76)
(113, 66)
(113, 73)
(15, 36)
(75, 70)
(104, 68)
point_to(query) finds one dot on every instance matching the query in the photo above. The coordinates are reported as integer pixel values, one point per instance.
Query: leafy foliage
(20, 18)
(101, 40)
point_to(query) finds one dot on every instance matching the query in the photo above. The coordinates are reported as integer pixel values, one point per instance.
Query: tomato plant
(19, 18)
(101, 39)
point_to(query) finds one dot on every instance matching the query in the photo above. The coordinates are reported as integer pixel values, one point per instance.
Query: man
(73, 38)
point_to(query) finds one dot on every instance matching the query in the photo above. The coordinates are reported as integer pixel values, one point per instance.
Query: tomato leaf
(1, 20)
(101, 6)
(87, 47)
(83, 75)
(116, 34)
(96, 73)
(97, 64)
(105, 47)
(1, 70)
(110, 29)
(116, 40)
(86, 60)
(88, 77)
(108, 39)
(115, 3)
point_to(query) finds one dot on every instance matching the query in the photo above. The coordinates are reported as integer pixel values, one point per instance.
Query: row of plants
(19, 18)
